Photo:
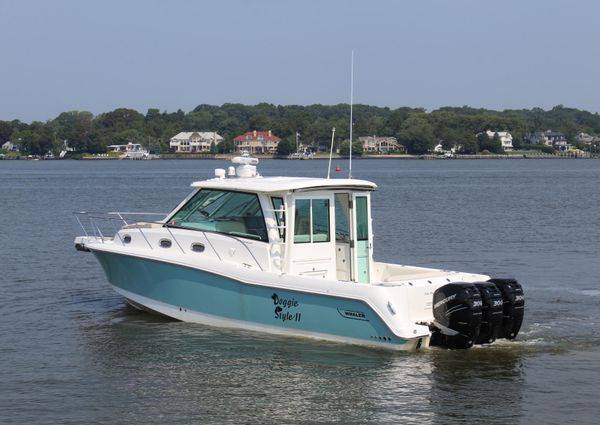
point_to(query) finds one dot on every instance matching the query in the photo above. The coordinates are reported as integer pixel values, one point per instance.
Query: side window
(342, 222)
(320, 220)
(302, 221)
(311, 222)
(362, 222)
(279, 215)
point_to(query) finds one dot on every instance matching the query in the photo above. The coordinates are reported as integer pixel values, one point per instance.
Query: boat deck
(394, 274)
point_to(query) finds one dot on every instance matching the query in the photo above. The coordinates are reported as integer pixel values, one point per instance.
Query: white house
(380, 144)
(439, 149)
(505, 138)
(10, 146)
(194, 141)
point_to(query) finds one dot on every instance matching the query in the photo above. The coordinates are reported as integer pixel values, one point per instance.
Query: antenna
(351, 101)
(330, 151)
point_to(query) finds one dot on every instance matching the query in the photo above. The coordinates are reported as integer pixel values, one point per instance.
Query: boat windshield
(233, 213)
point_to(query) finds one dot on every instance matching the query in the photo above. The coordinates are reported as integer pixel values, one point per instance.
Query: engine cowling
(457, 309)
(491, 312)
(513, 306)
(477, 313)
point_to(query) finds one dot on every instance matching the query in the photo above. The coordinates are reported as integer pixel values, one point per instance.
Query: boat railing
(99, 224)
(207, 233)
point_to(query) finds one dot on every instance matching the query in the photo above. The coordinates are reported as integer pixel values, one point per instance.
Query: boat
(135, 151)
(130, 151)
(301, 155)
(293, 256)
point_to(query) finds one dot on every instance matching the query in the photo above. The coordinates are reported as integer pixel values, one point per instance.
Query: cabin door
(312, 245)
(343, 253)
(361, 238)
(352, 237)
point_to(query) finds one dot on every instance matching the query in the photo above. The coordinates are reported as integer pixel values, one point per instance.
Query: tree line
(419, 131)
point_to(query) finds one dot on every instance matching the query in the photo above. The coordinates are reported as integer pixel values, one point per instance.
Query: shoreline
(228, 157)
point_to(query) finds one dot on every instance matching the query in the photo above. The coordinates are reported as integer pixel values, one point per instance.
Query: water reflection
(466, 384)
(162, 369)
(153, 369)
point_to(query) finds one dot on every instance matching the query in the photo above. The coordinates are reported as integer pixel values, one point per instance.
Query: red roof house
(257, 142)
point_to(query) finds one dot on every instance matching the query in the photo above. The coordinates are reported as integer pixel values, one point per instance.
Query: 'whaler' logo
(350, 314)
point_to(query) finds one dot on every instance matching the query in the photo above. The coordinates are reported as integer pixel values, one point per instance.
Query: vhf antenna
(351, 101)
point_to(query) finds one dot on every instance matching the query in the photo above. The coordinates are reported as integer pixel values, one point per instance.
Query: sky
(99, 55)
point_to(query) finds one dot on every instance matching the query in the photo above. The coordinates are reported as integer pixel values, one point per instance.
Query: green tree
(123, 119)
(198, 121)
(77, 127)
(397, 117)
(414, 128)
(260, 122)
(357, 148)
(469, 144)
(226, 146)
(417, 134)
(462, 140)
(489, 144)
(286, 146)
(127, 136)
(36, 140)
(6, 130)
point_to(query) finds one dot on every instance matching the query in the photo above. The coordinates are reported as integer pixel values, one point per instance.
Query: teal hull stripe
(203, 292)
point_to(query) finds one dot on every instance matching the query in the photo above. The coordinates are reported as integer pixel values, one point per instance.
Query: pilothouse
(294, 256)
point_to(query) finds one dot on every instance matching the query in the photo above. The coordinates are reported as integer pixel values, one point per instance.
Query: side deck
(387, 274)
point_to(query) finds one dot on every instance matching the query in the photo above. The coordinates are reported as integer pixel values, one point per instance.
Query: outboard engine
(491, 312)
(457, 312)
(513, 306)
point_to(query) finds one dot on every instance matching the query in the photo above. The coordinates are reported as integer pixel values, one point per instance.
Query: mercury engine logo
(444, 301)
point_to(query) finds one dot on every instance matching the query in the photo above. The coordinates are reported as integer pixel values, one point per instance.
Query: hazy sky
(99, 55)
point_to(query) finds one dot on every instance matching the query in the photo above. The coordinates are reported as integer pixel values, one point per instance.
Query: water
(72, 351)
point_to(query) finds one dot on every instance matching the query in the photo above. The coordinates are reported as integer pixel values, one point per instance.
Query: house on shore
(257, 142)
(587, 139)
(584, 138)
(194, 141)
(321, 145)
(11, 147)
(556, 139)
(505, 138)
(373, 144)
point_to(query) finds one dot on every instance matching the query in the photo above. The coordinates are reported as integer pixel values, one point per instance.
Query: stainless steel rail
(116, 220)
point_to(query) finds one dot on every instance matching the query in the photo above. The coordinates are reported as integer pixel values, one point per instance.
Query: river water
(72, 351)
